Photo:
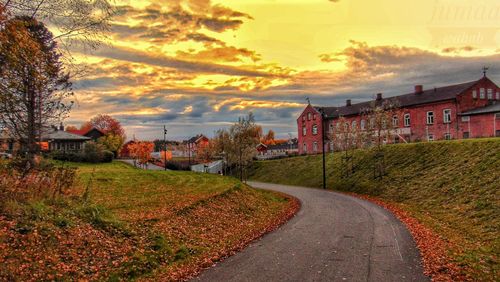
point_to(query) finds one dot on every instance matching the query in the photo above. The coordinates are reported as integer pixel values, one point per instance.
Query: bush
(107, 156)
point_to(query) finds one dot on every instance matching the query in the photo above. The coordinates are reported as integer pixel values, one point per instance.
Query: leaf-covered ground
(451, 188)
(136, 225)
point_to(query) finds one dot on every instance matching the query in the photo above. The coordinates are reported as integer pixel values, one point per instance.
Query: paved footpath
(150, 166)
(334, 237)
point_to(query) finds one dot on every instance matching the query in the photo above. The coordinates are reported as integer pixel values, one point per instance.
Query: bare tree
(346, 138)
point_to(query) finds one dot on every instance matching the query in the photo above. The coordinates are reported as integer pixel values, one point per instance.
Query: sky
(197, 65)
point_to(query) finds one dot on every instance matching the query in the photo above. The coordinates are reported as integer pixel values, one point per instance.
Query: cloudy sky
(197, 65)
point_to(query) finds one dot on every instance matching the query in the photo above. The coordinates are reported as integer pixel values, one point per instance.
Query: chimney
(379, 96)
(61, 127)
(348, 102)
(419, 89)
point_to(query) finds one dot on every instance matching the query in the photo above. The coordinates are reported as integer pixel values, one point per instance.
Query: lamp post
(323, 118)
(165, 144)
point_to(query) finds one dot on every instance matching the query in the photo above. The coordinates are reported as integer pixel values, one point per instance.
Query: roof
(64, 135)
(494, 108)
(84, 132)
(407, 100)
(196, 138)
(285, 146)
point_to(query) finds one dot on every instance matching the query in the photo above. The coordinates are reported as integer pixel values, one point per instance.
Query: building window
(482, 94)
(354, 125)
(466, 135)
(338, 126)
(474, 94)
(315, 129)
(430, 117)
(309, 116)
(363, 124)
(407, 120)
(303, 117)
(465, 118)
(498, 95)
(384, 123)
(304, 148)
(395, 121)
(490, 94)
(331, 146)
(497, 133)
(304, 131)
(447, 116)
(372, 123)
(315, 147)
(331, 128)
(314, 116)
(497, 116)
(430, 137)
(447, 136)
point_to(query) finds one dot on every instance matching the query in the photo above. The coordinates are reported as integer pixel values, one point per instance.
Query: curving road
(334, 237)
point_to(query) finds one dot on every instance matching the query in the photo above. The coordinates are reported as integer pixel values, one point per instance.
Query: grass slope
(138, 224)
(451, 187)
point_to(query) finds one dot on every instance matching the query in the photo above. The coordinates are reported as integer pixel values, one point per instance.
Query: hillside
(137, 224)
(452, 187)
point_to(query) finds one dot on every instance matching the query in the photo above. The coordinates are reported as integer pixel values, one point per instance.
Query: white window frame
(304, 147)
(447, 136)
(482, 93)
(430, 117)
(304, 131)
(362, 124)
(354, 124)
(407, 120)
(315, 129)
(465, 118)
(314, 116)
(309, 116)
(447, 116)
(303, 117)
(395, 121)
(474, 94)
(331, 127)
(490, 94)
(315, 147)
(430, 137)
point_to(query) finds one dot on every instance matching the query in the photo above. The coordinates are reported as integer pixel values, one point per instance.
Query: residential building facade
(467, 110)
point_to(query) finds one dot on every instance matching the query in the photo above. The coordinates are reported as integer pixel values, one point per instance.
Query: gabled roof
(494, 108)
(64, 135)
(85, 132)
(196, 138)
(407, 100)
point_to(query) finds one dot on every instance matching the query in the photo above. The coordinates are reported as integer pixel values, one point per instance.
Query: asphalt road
(334, 237)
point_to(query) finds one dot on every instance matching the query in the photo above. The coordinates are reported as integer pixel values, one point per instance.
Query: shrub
(107, 156)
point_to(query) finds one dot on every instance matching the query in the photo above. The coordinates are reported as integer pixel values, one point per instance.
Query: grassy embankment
(451, 187)
(137, 224)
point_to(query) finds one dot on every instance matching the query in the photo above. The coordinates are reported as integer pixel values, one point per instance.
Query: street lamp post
(165, 144)
(323, 118)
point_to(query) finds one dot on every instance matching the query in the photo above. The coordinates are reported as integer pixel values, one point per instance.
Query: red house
(466, 110)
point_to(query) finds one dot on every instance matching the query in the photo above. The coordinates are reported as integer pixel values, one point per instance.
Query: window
(309, 116)
(363, 124)
(304, 148)
(331, 146)
(314, 116)
(315, 129)
(447, 116)
(338, 126)
(447, 136)
(407, 120)
(465, 118)
(315, 147)
(372, 122)
(346, 126)
(498, 95)
(466, 135)
(354, 125)
(304, 131)
(430, 137)
(490, 94)
(304, 118)
(481, 93)
(384, 123)
(331, 128)
(474, 94)
(497, 116)
(497, 133)
(430, 117)
(395, 121)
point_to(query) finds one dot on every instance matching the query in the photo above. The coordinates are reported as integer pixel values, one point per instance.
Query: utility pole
(165, 144)
(323, 118)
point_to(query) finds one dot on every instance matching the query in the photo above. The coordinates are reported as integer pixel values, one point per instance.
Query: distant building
(279, 150)
(92, 133)
(467, 110)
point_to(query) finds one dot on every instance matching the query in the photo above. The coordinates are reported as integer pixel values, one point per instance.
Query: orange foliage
(168, 155)
(141, 151)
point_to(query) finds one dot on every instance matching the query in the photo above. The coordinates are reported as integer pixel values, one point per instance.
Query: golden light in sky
(204, 63)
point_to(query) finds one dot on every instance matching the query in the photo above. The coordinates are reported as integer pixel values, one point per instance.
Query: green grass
(122, 223)
(452, 187)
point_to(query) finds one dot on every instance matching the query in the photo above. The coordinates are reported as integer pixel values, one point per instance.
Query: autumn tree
(382, 119)
(141, 152)
(346, 138)
(114, 133)
(269, 138)
(34, 88)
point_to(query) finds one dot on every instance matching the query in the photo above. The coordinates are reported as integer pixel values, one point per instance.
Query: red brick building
(467, 110)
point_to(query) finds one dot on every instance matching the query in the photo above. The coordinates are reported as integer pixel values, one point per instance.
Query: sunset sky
(197, 65)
